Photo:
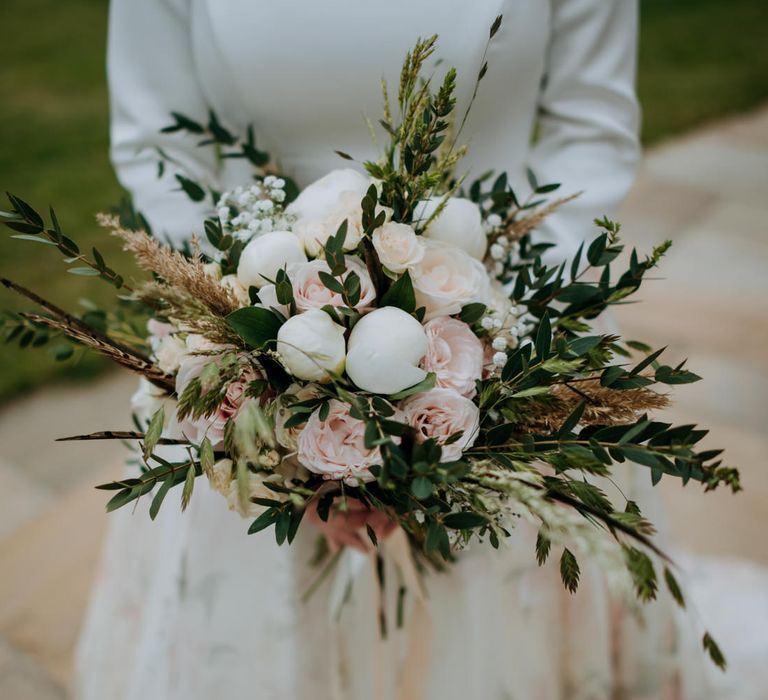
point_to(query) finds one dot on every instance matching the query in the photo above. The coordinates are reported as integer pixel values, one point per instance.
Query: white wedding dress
(189, 607)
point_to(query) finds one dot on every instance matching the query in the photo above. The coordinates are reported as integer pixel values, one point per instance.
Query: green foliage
(569, 570)
(711, 647)
(257, 326)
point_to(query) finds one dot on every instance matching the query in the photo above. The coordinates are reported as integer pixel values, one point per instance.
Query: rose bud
(265, 255)
(385, 349)
(311, 344)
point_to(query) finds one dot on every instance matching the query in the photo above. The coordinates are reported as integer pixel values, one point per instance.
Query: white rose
(265, 255)
(220, 476)
(459, 223)
(447, 279)
(385, 348)
(146, 400)
(310, 292)
(314, 233)
(256, 489)
(318, 200)
(311, 344)
(213, 269)
(169, 352)
(397, 246)
(268, 299)
(233, 284)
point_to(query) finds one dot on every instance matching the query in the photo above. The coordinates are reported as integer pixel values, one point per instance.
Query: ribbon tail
(417, 661)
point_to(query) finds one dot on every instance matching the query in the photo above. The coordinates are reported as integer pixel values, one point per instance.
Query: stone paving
(706, 191)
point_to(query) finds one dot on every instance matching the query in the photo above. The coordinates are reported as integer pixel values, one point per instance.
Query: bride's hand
(348, 528)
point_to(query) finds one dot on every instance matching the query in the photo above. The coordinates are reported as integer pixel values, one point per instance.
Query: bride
(189, 607)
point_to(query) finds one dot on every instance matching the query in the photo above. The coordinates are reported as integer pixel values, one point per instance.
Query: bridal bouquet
(388, 339)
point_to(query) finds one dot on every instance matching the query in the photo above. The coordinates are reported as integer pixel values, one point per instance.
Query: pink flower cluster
(335, 447)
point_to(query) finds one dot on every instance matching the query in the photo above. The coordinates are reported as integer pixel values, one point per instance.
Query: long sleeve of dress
(588, 113)
(151, 73)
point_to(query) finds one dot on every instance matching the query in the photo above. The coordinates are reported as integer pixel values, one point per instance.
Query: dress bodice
(307, 74)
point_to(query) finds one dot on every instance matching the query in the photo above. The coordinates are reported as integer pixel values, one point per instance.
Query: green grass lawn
(699, 59)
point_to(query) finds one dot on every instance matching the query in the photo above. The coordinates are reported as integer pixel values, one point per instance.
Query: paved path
(706, 191)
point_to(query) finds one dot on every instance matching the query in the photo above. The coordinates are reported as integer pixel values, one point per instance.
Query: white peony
(318, 200)
(265, 255)
(385, 349)
(459, 223)
(312, 344)
(398, 246)
(447, 279)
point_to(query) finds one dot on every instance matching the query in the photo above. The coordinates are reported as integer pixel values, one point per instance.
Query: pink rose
(309, 292)
(335, 447)
(441, 413)
(212, 425)
(448, 278)
(455, 355)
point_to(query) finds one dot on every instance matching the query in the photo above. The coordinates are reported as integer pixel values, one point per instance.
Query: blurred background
(703, 83)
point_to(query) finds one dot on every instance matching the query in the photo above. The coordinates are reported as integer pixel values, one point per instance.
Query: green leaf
(352, 288)
(207, 458)
(256, 326)
(544, 337)
(543, 545)
(26, 210)
(673, 587)
(633, 432)
(424, 385)
(421, 487)
(495, 26)
(572, 421)
(646, 362)
(330, 282)
(581, 346)
(193, 190)
(643, 573)
(157, 501)
(401, 294)
(435, 533)
(464, 521)
(711, 647)
(667, 375)
(154, 432)
(569, 570)
(371, 435)
(372, 535)
(189, 485)
(267, 518)
(33, 238)
(83, 271)
(282, 526)
(533, 391)
(472, 312)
